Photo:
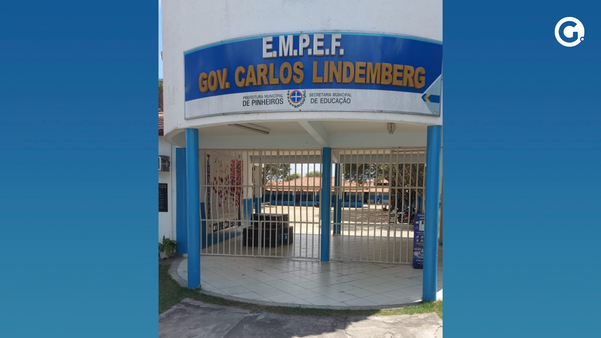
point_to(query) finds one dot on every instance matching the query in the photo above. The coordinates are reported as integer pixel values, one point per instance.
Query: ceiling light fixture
(252, 127)
(391, 127)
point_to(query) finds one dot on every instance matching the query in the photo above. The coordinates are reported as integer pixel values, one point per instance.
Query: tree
(313, 174)
(402, 179)
(359, 172)
(405, 178)
(161, 95)
(276, 171)
(292, 177)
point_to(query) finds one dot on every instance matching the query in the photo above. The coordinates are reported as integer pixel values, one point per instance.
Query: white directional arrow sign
(431, 97)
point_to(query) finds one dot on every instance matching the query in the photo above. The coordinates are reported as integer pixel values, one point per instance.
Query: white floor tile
(342, 287)
(234, 290)
(263, 277)
(360, 293)
(305, 294)
(341, 296)
(381, 288)
(257, 287)
(270, 292)
(290, 288)
(378, 299)
(310, 282)
(396, 294)
(284, 298)
(322, 300)
(359, 302)
(251, 295)
(360, 284)
(224, 283)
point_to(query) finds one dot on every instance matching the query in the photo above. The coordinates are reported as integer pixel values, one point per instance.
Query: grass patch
(171, 293)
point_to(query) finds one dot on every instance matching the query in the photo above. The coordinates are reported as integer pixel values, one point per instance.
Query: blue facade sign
(418, 241)
(314, 72)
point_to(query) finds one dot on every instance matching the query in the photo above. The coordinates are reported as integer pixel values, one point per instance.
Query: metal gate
(261, 203)
(375, 198)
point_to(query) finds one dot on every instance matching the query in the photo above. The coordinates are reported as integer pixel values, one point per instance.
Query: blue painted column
(181, 222)
(326, 192)
(338, 206)
(431, 213)
(193, 208)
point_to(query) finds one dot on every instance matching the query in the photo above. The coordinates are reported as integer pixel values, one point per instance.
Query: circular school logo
(569, 32)
(296, 98)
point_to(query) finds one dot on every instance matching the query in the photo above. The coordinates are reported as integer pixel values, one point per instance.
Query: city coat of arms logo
(296, 98)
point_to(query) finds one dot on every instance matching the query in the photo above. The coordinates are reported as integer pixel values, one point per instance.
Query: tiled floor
(367, 235)
(311, 283)
(372, 245)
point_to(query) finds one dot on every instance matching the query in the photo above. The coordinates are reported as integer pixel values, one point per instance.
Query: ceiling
(332, 127)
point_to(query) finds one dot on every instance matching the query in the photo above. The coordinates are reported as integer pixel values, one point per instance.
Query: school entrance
(376, 195)
(267, 203)
(262, 203)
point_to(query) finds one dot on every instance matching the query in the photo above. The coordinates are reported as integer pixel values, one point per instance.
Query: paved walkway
(194, 319)
(285, 282)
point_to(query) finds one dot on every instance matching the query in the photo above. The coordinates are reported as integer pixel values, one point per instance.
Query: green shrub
(167, 246)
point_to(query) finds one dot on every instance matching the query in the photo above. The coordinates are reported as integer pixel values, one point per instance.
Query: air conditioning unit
(164, 163)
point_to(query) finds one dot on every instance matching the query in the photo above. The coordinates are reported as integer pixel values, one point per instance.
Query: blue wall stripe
(181, 222)
(218, 237)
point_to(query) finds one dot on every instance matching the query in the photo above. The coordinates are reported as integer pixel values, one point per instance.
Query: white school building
(300, 149)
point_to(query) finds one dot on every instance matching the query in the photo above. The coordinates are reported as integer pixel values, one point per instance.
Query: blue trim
(378, 197)
(220, 236)
(283, 199)
(326, 191)
(181, 225)
(432, 213)
(193, 193)
(307, 199)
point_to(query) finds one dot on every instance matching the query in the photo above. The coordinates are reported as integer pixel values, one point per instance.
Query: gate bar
(338, 206)
(326, 191)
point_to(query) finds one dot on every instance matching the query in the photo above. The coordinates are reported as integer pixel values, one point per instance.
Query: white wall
(167, 219)
(189, 24)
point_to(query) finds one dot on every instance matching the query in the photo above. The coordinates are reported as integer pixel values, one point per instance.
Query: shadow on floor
(191, 318)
